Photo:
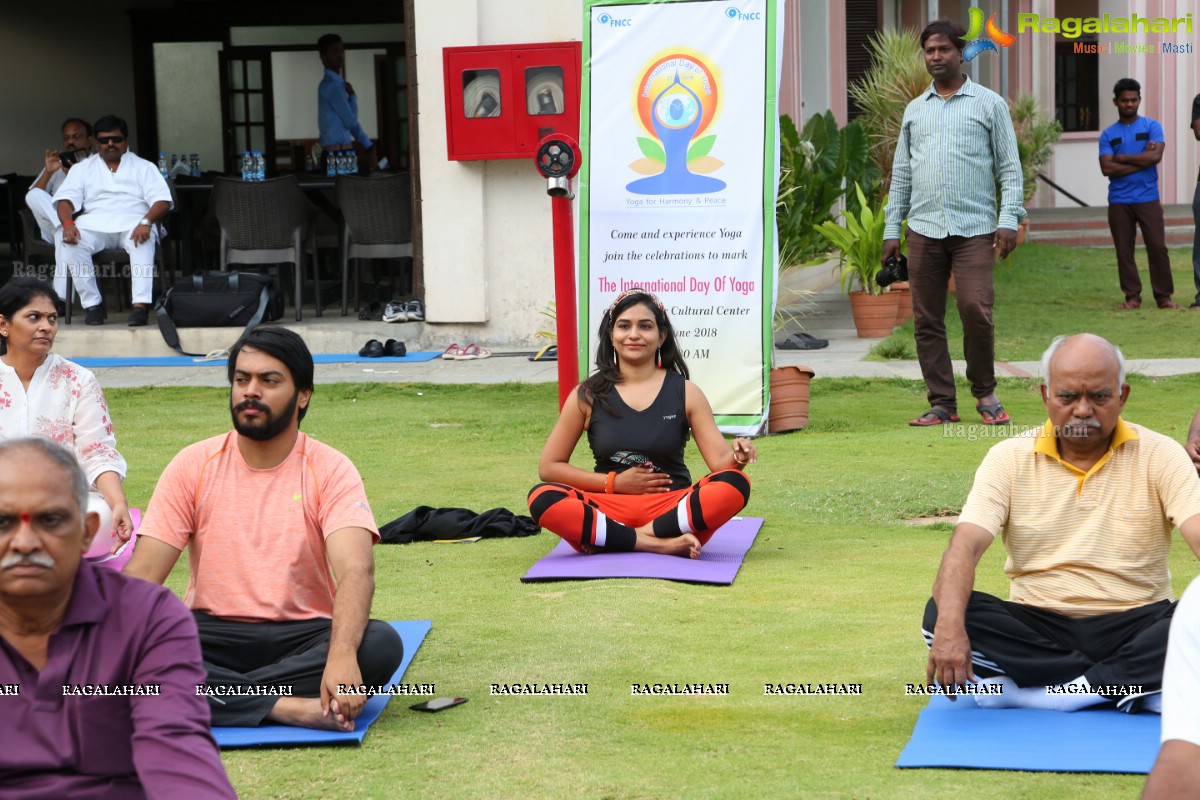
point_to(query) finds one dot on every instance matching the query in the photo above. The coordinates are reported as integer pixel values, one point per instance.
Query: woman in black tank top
(639, 409)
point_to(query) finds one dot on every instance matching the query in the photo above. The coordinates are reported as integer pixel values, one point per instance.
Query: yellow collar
(1047, 443)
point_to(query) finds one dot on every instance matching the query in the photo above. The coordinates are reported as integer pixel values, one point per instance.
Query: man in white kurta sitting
(122, 197)
(77, 141)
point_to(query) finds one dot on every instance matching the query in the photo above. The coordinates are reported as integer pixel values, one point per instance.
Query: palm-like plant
(817, 166)
(897, 77)
(1037, 134)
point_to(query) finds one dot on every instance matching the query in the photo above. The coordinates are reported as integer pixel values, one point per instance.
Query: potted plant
(1036, 136)
(789, 385)
(860, 240)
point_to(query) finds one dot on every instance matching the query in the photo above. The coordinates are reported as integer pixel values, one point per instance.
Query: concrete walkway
(826, 314)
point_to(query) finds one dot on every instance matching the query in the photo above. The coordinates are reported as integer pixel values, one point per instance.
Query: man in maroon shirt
(98, 672)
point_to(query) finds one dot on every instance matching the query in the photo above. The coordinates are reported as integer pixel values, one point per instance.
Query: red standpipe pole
(564, 297)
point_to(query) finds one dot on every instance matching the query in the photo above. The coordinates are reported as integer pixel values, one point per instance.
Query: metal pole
(564, 296)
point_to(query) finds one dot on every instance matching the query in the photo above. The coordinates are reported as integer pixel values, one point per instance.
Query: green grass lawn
(831, 592)
(1047, 290)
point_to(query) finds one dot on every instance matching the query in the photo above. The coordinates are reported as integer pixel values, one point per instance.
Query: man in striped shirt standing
(1085, 507)
(956, 143)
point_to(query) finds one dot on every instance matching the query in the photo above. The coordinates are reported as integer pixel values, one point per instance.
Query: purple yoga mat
(718, 562)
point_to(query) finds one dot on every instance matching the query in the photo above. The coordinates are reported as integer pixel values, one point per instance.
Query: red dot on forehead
(25, 517)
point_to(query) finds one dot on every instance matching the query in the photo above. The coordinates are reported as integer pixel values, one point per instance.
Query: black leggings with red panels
(608, 521)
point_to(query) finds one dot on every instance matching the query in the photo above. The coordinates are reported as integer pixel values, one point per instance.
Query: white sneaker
(395, 311)
(415, 312)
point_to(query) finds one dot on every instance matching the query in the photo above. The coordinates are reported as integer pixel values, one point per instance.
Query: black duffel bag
(218, 299)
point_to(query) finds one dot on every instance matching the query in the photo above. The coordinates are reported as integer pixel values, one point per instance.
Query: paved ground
(828, 317)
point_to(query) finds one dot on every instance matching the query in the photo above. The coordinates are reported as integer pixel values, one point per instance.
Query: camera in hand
(895, 269)
(70, 157)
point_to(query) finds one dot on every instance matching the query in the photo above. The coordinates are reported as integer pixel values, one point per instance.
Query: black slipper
(394, 349)
(371, 312)
(372, 349)
(802, 341)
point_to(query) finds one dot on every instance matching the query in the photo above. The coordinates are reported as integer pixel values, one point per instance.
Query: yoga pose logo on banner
(677, 99)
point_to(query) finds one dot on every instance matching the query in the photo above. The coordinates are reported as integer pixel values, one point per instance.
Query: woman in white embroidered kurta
(43, 394)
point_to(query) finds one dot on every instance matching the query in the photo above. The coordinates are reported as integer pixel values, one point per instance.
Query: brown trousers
(930, 264)
(1123, 219)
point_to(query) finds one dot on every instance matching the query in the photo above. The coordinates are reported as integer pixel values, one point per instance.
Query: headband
(637, 290)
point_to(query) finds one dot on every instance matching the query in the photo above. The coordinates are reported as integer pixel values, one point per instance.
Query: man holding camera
(122, 197)
(956, 144)
(77, 145)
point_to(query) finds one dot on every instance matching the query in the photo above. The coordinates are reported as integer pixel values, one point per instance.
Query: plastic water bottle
(330, 163)
(162, 165)
(246, 166)
(195, 162)
(174, 161)
(352, 169)
(260, 166)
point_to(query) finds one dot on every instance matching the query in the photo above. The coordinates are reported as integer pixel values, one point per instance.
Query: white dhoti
(77, 259)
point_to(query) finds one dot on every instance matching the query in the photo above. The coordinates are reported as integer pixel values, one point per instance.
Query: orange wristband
(610, 483)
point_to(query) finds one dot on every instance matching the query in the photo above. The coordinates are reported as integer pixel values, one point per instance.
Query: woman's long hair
(18, 293)
(608, 370)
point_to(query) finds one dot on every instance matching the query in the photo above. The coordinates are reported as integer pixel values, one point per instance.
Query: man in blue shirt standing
(337, 105)
(1130, 150)
(956, 146)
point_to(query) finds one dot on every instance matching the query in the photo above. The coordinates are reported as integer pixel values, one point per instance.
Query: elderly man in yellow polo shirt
(1085, 508)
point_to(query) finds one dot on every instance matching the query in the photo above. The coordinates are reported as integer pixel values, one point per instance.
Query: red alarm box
(502, 100)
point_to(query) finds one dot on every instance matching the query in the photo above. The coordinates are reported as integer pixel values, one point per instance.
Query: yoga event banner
(678, 184)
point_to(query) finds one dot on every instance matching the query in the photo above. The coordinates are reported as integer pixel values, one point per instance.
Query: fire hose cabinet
(501, 100)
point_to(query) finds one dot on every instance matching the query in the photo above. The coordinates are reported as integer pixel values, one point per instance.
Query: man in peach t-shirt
(265, 512)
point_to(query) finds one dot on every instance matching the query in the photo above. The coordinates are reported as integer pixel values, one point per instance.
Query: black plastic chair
(378, 215)
(265, 222)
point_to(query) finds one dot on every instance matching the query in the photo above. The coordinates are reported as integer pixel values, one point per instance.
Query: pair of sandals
(468, 353)
(376, 349)
(992, 414)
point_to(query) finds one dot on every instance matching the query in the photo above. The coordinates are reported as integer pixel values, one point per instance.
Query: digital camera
(896, 269)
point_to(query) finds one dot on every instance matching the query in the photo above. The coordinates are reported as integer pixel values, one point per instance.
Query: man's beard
(269, 426)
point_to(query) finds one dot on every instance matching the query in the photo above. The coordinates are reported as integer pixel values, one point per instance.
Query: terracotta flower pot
(874, 315)
(1022, 231)
(904, 310)
(789, 399)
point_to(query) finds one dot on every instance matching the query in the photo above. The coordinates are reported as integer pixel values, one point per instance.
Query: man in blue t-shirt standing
(1130, 151)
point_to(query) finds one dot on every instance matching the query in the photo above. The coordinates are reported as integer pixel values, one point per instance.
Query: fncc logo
(614, 22)
(742, 16)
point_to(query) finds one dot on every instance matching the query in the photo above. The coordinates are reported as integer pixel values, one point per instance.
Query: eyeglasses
(110, 139)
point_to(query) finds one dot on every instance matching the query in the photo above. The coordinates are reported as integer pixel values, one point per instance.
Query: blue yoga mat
(962, 735)
(188, 361)
(412, 633)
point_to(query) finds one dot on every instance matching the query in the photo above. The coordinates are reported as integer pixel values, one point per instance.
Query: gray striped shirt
(949, 158)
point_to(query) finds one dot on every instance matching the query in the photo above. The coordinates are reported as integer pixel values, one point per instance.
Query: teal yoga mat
(187, 361)
(412, 633)
(962, 735)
